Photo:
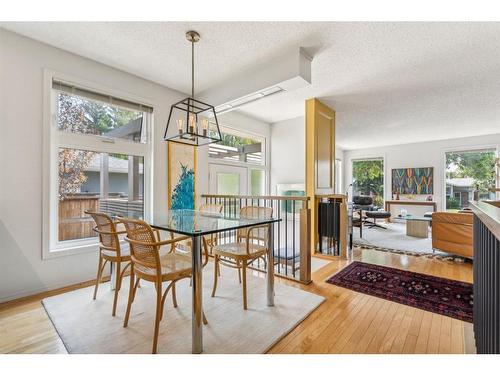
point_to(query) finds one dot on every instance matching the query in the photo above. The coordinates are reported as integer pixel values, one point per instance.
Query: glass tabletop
(413, 217)
(193, 223)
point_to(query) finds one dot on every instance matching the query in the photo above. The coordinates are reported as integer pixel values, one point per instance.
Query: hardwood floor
(347, 322)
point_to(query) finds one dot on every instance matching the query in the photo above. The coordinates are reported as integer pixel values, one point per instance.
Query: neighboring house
(462, 189)
(118, 177)
(118, 167)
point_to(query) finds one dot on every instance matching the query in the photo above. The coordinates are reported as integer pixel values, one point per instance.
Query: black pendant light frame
(189, 132)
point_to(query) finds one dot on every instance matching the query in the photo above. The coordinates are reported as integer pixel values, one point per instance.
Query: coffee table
(417, 226)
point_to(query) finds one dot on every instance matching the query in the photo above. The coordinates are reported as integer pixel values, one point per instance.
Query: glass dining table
(197, 224)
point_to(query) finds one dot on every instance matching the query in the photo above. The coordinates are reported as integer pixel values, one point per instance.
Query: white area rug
(394, 237)
(86, 326)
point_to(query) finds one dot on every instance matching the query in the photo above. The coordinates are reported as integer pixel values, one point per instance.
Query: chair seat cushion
(124, 250)
(172, 265)
(238, 249)
(378, 214)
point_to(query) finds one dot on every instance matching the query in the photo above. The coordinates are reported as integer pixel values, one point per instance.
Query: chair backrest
(211, 208)
(106, 229)
(143, 247)
(362, 200)
(255, 212)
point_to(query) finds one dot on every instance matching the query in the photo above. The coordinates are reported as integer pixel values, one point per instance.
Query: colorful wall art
(181, 176)
(413, 180)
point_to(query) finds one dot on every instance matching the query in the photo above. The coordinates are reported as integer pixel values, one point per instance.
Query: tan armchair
(453, 233)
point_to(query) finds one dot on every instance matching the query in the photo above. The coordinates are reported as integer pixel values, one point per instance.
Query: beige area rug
(86, 326)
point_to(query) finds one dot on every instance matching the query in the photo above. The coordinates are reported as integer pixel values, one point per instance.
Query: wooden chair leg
(131, 295)
(216, 266)
(239, 271)
(174, 295)
(244, 276)
(99, 275)
(158, 316)
(117, 286)
(205, 321)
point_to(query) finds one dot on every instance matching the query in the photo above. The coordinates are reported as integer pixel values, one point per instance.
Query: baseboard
(34, 296)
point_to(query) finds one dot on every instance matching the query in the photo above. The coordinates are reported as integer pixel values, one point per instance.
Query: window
(257, 182)
(470, 175)
(368, 179)
(237, 148)
(99, 151)
(228, 183)
(81, 111)
(238, 164)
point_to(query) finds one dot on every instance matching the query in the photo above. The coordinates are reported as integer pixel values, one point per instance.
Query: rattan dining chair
(110, 250)
(251, 244)
(147, 264)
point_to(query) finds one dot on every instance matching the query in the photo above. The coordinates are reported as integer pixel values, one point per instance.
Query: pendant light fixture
(195, 122)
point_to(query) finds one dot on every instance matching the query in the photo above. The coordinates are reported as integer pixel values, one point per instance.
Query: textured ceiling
(390, 83)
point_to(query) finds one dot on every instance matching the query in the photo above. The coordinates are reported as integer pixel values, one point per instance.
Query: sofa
(453, 233)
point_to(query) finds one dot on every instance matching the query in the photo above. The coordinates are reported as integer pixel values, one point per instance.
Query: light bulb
(180, 125)
(204, 124)
(192, 122)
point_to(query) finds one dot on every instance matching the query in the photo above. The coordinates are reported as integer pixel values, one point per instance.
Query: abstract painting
(181, 176)
(413, 180)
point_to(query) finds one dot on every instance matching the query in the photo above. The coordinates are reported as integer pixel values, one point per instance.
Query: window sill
(73, 250)
(70, 250)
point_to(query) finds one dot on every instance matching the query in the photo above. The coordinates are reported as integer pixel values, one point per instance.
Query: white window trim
(248, 166)
(54, 139)
(338, 176)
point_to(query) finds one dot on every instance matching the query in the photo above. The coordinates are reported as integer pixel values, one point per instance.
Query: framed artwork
(181, 176)
(413, 180)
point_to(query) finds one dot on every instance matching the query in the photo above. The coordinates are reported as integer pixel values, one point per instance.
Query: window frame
(54, 139)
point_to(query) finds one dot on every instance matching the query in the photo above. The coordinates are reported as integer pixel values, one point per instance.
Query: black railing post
(486, 269)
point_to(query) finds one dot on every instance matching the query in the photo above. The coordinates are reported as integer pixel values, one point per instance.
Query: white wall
(22, 62)
(414, 155)
(288, 152)
(288, 165)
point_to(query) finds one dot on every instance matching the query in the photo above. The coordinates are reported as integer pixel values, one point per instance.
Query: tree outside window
(368, 179)
(469, 175)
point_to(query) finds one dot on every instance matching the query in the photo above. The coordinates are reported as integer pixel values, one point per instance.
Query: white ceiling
(390, 83)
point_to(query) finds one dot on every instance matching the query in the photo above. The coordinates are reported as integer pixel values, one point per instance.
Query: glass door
(228, 180)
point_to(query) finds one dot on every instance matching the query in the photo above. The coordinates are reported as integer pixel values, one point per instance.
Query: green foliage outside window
(368, 179)
(452, 203)
(80, 115)
(480, 166)
(235, 141)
